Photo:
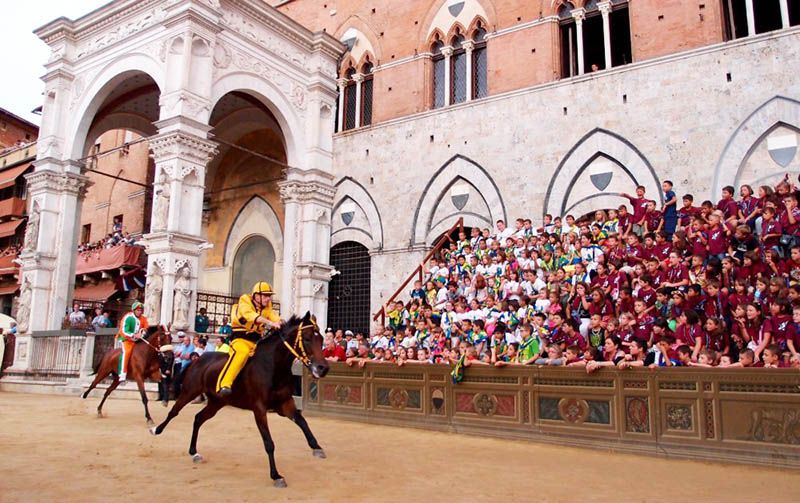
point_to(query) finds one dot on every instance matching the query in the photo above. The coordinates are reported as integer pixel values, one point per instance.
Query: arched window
(366, 94)
(254, 261)
(569, 41)
(349, 291)
(458, 69)
(767, 16)
(480, 64)
(594, 38)
(438, 74)
(350, 100)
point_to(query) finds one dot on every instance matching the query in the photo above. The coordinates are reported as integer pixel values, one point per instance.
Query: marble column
(579, 15)
(469, 46)
(605, 11)
(359, 79)
(447, 52)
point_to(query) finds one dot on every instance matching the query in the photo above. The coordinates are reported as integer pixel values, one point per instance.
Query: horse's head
(160, 339)
(311, 341)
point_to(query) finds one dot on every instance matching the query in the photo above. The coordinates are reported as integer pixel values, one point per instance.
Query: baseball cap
(348, 332)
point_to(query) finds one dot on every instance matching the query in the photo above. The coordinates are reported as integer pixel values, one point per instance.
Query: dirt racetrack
(54, 448)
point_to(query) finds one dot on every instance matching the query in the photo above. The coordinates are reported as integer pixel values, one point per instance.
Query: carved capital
(184, 146)
(447, 51)
(358, 78)
(468, 45)
(53, 181)
(579, 15)
(605, 7)
(293, 191)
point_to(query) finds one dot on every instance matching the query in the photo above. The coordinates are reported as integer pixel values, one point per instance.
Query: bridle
(156, 349)
(298, 349)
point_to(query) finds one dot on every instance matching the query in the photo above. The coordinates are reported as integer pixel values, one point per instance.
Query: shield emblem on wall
(782, 148)
(455, 7)
(601, 174)
(459, 194)
(348, 211)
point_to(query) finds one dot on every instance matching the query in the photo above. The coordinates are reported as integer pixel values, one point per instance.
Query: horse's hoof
(279, 483)
(99, 415)
(150, 422)
(319, 453)
(197, 458)
(152, 431)
(165, 403)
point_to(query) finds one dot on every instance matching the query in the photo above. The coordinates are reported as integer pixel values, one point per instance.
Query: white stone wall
(672, 118)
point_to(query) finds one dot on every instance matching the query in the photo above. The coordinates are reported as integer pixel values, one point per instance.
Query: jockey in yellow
(131, 328)
(250, 318)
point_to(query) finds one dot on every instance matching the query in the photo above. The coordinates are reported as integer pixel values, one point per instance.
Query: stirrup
(225, 391)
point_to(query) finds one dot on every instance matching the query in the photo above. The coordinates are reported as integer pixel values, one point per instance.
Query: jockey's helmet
(262, 287)
(136, 305)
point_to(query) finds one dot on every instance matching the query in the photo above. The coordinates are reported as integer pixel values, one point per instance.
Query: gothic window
(621, 49)
(350, 100)
(349, 291)
(480, 64)
(767, 16)
(569, 40)
(438, 74)
(366, 94)
(458, 69)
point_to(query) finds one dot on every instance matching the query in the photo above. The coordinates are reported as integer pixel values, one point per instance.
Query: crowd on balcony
(641, 285)
(118, 237)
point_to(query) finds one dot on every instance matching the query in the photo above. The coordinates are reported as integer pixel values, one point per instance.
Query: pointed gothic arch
(431, 217)
(355, 216)
(600, 166)
(255, 218)
(775, 112)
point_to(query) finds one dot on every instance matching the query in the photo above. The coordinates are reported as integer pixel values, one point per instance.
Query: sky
(24, 56)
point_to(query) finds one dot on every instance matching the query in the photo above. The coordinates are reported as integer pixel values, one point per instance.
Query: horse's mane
(151, 331)
(287, 331)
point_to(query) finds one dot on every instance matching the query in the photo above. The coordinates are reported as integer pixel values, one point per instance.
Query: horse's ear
(307, 317)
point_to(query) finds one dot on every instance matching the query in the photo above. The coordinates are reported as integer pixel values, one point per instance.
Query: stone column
(308, 199)
(468, 46)
(181, 153)
(342, 84)
(358, 78)
(447, 51)
(784, 13)
(605, 11)
(579, 15)
(55, 192)
(751, 18)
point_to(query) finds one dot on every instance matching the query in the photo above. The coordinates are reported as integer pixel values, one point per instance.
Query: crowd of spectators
(708, 285)
(118, 237)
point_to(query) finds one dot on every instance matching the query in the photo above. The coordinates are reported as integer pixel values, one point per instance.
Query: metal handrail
(418, 271)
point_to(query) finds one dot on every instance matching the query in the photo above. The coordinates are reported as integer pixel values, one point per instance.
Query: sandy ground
(56, 448)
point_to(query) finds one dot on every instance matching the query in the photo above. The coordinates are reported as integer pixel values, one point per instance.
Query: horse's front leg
(260, 413)
(140, 384)
(289, 410)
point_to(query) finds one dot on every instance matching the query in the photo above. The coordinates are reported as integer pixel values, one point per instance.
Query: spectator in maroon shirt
(625, 220)
(653, 219)
(790, 219)
(748, 207)
(639, 204)
(677, 272)
(687, 212)
(771, 229)
(717, 237)
(727, 205)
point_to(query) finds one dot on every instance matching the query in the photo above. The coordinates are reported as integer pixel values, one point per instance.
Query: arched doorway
(254, 261)
(349, 291)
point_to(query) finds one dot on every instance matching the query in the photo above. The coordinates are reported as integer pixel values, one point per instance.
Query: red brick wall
(13, 131)
(400, 28)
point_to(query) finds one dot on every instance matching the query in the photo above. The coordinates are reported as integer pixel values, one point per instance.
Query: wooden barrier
(740, 415)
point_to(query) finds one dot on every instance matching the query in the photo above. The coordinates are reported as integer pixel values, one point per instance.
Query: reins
(298, 349)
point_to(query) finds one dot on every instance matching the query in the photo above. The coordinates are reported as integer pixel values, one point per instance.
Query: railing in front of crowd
(56, 355)
(712, 414)
(419, 271)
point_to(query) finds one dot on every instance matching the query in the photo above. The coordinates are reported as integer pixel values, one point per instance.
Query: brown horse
(265, 383)
(152, 355)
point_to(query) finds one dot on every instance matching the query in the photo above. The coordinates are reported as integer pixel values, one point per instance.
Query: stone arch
(128, 121)
(274, 99)
(91, 95)
(582, 175)
(367, 39)
(354, 204)
(429, 216)
(775, 112)
(244, 273)
(440, 17)
(256, 218)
